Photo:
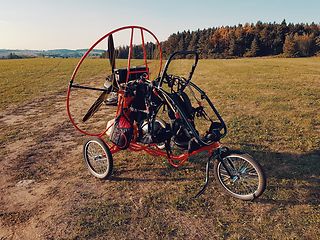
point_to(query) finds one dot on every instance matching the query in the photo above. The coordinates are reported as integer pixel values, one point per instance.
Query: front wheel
(97, 157)
(248, 179)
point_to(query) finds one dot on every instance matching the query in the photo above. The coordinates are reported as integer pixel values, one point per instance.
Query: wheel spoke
(245, 177)
(98, 157)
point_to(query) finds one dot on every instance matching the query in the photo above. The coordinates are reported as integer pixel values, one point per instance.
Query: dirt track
(43, 146)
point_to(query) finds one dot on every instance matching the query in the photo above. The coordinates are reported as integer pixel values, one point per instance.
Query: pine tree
(240, 40)
(233, 46)
(204, 39)
(290, 46)
(303, 43)
(254, 49)
(317, 41)
(193, 45)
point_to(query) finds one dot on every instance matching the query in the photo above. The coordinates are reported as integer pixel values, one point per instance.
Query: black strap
(168, 147)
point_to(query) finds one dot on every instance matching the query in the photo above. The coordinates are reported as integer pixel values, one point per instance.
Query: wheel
(248, 181)
(97, 157)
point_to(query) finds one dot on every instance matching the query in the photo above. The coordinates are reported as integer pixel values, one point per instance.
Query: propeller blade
(95, 107)
(111, 52)
(97, 104)
(112, 59)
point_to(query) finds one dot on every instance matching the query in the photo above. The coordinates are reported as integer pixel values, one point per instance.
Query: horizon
(47, 50)
(58, 24)
(78, 49)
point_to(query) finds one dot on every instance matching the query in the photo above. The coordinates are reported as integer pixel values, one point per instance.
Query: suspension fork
(217, 153)
(207, 177)
(220, 159)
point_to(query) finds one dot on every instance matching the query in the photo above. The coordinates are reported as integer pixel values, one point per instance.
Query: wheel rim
(246, 179)
(97, 158)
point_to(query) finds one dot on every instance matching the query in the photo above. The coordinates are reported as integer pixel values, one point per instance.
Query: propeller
(112, 59)
(97, 104)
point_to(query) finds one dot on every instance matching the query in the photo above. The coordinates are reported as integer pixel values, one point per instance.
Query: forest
(249, 40)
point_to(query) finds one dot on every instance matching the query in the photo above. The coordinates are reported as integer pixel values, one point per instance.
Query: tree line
(122, 52)
(255, 40)
(15, 56)
(249, 40)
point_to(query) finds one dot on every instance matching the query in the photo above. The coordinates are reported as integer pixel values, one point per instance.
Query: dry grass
(271, 108)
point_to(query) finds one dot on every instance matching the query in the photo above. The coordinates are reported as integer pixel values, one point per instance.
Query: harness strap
(168, 148)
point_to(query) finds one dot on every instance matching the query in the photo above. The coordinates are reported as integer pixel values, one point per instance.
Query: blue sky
(54, 24)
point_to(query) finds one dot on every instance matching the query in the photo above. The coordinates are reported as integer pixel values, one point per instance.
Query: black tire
(249, 180)
(97, 157)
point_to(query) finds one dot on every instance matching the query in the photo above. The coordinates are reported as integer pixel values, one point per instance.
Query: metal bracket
(207, 177)
(217, 154)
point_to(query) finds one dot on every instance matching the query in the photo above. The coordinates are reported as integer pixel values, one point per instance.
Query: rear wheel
(248, 179)
(97, 157)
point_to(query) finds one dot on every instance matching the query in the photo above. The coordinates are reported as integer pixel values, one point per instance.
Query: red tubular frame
(144, 54)
(155, 151)
(134, 146)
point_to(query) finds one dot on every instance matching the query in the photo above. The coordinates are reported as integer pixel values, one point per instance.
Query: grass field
(271, 108)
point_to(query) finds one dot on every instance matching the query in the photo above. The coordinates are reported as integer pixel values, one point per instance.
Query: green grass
(271, 108)
(24, 79)
(269, 102)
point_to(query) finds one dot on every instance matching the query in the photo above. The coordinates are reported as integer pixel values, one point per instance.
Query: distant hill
(62, 53)
(249, 40)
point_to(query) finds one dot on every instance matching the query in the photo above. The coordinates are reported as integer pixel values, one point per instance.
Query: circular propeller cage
(95, 81)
